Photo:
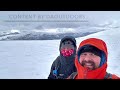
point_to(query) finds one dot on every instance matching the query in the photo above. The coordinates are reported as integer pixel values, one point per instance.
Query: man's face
(90, 60)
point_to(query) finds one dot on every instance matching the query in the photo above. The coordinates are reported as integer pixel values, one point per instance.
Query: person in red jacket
(91, 61)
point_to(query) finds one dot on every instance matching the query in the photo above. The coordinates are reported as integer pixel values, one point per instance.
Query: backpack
(73, 75)
(108, 76)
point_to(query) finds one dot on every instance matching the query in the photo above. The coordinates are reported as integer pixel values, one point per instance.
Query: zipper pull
(55, 72)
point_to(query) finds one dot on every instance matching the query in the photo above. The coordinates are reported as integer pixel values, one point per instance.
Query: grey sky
(93, 17)
(97, 16)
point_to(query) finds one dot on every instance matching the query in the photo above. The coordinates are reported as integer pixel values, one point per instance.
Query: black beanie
(89, 48)
(66, 38)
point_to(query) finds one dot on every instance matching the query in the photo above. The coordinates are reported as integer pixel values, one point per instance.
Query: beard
(89, 65)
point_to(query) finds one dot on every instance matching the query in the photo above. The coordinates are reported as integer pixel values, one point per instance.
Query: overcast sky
(55, 19)
(94, 15)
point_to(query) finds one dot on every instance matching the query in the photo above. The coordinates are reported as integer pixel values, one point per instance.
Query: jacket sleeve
(51, 76)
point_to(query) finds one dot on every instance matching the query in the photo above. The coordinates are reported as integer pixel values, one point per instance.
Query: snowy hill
(37, 32)
(33, 59)
(49, 34)
(50, 25)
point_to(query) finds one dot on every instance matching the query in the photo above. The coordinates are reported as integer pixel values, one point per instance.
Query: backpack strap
(108, 76)
(73, 75)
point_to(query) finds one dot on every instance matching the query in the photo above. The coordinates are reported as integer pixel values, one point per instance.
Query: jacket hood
(68, 38)
(98, 73)
(71, 59)
(100, 44)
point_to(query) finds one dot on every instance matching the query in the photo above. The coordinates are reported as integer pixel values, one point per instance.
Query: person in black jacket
(64, 65)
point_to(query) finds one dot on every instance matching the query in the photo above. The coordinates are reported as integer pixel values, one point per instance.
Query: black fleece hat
(89, 48)
(68, 38)
(68, 43)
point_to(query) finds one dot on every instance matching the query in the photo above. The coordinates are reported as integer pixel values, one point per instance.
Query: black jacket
(62, 67)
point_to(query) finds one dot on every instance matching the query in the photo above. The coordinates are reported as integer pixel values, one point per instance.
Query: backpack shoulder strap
(73, 75)
(108, 76)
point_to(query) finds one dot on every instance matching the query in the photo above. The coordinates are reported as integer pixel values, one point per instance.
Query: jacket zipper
(85, 74)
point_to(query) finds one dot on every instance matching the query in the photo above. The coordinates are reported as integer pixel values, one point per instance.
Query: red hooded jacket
(99, 73)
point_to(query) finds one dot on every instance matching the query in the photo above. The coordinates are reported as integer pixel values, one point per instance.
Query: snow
(57, 30)
(26, 59)
(15, 31)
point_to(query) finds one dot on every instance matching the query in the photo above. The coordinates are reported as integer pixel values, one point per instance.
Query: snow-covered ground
(27, 59)
(33, 59)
